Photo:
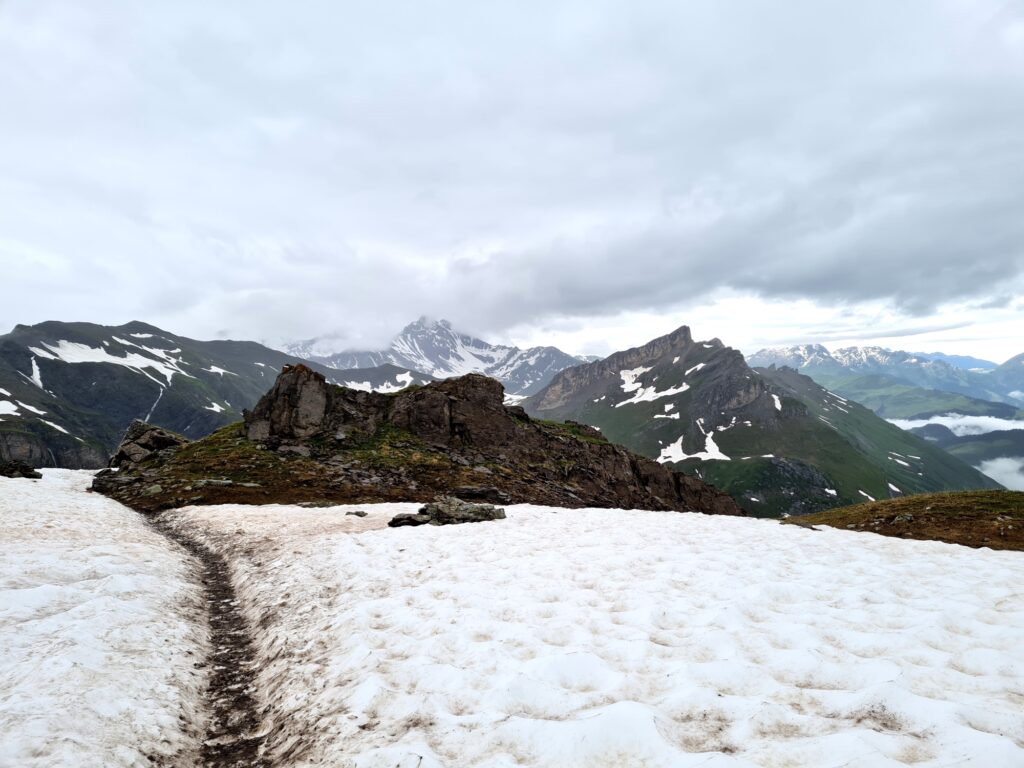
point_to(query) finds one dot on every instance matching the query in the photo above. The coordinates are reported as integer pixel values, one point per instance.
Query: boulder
(142, 441)
(18, 469)
(448, 510)
(294, 409)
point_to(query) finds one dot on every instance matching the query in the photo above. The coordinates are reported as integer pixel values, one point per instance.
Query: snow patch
(98, 630)
(58, 427)
(674, 451)
(73, 352)
(867, 496)
(215, 407)
(642, 394)
(680, 640)
(778, 402)
(219, 371)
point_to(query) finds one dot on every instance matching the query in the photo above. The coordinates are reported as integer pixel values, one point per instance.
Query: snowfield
(98, 632)
(611, 638)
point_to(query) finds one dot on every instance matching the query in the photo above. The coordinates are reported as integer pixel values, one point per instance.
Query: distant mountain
(437, 350)
(959, 361)
(1004, 383)
(778, 442)
(69, 390)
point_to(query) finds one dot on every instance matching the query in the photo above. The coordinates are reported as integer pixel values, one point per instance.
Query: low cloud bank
(1008, 471)
(962, 425)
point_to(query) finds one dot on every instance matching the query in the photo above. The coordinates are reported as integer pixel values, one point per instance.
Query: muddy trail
(232, 737)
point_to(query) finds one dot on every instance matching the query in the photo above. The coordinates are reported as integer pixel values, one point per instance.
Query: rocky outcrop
(141, 441)
(18, 469)
(309, 441)
(448, 510)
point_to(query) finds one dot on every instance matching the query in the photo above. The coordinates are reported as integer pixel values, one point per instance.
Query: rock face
(141, 441)
(448, 510)
(311, 442)
(18, 469)
(464, 422)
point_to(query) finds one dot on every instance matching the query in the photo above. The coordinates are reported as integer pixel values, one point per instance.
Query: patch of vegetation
(390, 446)
(572, 429)
(992, 519)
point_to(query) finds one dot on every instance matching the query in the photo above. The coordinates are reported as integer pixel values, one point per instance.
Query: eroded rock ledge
(307, 440)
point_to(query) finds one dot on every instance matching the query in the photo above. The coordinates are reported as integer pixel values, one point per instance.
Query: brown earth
(993, 519)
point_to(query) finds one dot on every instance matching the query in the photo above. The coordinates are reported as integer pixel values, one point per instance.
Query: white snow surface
(642, 394)
(97, 630)
(400, 382)
(778, 402)
(218, 370)
(623, 638)
(73, 352)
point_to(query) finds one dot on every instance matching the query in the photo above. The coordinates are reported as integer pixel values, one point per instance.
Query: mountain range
(773, 438)
(842, 368)
(69, 390)
(435, 349)
(972, 408)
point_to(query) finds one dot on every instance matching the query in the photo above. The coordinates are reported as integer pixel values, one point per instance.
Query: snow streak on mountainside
(434, 348)
(584, 638)
(101, 629)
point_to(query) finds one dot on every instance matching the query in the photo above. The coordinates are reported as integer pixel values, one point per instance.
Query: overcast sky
(591, 174)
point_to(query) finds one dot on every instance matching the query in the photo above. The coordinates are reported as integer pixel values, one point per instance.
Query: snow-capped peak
(435, 348)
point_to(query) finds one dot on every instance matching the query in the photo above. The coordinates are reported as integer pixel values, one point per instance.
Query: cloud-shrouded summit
(263, 170)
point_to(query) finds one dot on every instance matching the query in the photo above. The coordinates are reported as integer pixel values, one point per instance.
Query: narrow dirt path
(232, 739)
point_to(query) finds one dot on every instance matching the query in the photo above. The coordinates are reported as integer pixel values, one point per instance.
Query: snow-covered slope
(615, 638)
(98, 631)
(436, 349)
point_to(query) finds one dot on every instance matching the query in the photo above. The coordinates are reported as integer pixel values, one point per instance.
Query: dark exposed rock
(356, 513)
(18, 469)
(307, 440)
(142, 441)
(448, 510)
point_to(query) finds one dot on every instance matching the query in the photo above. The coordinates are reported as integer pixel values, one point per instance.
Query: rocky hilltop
(776, 441)
(310, 441)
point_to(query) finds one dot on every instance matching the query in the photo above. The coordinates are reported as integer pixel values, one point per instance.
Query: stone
(448, 510)
(356, 513)
(17, 468)
(141, 441)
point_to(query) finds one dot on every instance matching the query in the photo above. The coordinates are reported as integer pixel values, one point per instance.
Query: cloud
(252, 170)
(1007, 471)
(961, 425)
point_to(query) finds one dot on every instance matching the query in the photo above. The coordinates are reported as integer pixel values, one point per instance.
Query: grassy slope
(975, 449)
(992, 519)
(892, 398)
(909, 462)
